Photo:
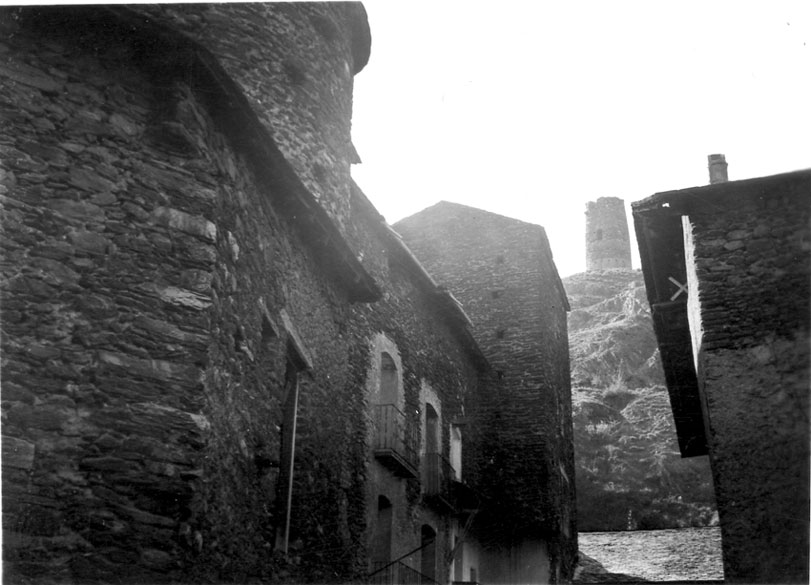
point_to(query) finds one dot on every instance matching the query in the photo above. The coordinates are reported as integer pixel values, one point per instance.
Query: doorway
(381, 543)
(428, 557)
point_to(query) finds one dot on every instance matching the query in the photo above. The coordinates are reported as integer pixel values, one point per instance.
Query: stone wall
(108, 258)
(157, 283)
(752, 268)
(751, 262)
(502, 271)
(295, 66)
(608, 246)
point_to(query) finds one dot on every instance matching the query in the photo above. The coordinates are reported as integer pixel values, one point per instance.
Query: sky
(532, 109)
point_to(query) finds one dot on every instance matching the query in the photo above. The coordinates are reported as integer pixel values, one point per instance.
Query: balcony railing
(395, 442)
(438, 481)
(397, 573)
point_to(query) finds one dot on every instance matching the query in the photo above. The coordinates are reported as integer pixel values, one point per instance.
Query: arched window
(388, 380)
(431, 430)
(395, 440)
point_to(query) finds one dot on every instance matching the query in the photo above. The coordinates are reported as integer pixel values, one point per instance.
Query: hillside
(629, 471)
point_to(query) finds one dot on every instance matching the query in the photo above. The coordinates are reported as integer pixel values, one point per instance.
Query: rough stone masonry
(184, 257)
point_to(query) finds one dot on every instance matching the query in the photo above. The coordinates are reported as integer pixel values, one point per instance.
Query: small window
(456, 451)
(598, 235)
(500, 259)
(287, 449)
(496, 294)
(500, 333)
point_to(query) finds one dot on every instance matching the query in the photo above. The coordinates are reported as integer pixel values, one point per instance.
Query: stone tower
(717, 165)
(608, 246)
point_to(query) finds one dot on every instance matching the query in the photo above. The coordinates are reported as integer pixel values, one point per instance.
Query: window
(395, 440)
(298, 361)
(389, 380)
(458, 560)
(456, 451)
(431, 430)
(287, 454)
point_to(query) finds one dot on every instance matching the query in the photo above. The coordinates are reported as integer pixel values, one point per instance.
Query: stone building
(726, 268)
(220, 364)
(608, 246)
(502, 271)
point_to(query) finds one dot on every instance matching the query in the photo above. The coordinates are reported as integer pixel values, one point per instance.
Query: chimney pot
(717, 165)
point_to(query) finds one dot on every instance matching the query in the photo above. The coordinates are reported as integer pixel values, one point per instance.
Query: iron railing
(438, 479)
(397, 573)
(395, 442)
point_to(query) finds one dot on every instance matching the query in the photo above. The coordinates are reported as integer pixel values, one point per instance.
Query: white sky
(531, 109)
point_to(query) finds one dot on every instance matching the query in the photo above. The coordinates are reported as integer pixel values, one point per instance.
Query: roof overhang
(660, 237)
(661, 250)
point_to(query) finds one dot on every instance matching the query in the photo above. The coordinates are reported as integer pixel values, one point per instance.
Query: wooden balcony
(395, 442)
(443, 491)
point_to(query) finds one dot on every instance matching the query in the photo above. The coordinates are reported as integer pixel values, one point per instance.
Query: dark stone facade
(191, 282)
(502, 271)
(741, 313)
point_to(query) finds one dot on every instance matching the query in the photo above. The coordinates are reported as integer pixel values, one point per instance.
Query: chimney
(717, 164)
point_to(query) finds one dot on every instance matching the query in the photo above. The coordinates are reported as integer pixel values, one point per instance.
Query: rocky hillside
(629, 471)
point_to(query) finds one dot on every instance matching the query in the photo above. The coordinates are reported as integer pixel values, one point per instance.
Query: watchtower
(608, 246)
